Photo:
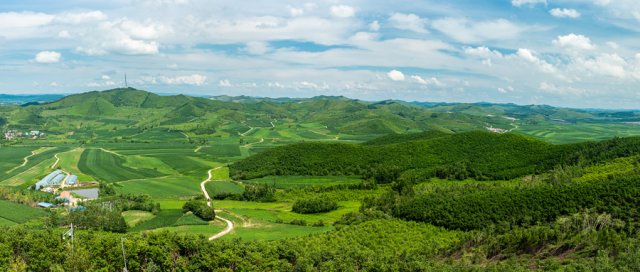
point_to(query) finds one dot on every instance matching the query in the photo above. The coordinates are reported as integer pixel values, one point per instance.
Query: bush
(298, 222)
(259, 192)
(199, 209)
(314, 205)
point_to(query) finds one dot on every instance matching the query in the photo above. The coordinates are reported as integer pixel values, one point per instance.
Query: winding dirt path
(25, 161)
(229, 227)
(53, 166)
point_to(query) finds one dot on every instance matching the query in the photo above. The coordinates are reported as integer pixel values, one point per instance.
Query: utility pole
(124, 257)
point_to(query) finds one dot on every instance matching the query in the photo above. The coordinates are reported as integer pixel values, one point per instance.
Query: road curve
(229, 227)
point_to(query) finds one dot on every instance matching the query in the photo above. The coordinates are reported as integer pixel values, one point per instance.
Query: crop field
(134, 217)
(285, 182)
(187, 165)
(11, 157)
(165, 218)
(19, 213)
(31, 175)
(69, 162)
(6, 222)
(558, 133)
(162, 188)
(40, 156)
(108, 167)
(216, 187)
(222, 150)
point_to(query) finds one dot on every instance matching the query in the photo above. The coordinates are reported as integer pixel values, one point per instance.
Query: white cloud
(613, 45)
(296, 11)
(505, 90)
(519, 3)
(374, 26)
(410, 22)
(14, 20)
(529, 56)
(17, 25)
(430, 81)
(75, 18)
(574, 41)
(128, 46)
(605, 64)
(145, 31)
(395, 75)
(558, 90)
(342, 11)
(467, 31)
(482, 51)
(195, 79)
(257, 48)
(564, 13)
(224, 83)
(47, 57)
(64, 34)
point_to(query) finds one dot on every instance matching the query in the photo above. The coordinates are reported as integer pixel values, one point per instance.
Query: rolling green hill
(481, 155)
(126, 114)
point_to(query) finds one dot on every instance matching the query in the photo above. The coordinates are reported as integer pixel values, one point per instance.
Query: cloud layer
(565, 52)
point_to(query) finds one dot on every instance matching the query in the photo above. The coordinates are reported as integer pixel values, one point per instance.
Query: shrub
(199, 209)
(314, 205)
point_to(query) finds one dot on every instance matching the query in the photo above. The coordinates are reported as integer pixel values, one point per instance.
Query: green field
(109, 167)
(19, 213)
(134, 217)
(162, 188)
(559, 133)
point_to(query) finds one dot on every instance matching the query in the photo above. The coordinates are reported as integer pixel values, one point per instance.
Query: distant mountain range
(8, 99)
(99, 113)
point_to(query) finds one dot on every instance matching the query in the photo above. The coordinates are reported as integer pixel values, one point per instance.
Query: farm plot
(69, 162)
(33, 164)
(161, 188)
(187, 165)
(222, 150)
(11, 157)
(109, 167)
(19, 213)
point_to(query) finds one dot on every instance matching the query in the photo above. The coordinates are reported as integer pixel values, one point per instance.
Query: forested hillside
(480, 155)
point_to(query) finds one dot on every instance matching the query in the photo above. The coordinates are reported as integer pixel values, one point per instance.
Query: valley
(288, 182)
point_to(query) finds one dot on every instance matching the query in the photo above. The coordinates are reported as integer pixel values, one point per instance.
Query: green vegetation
(286, 182)
(314, 205)
(322, 184)
(199, 209)
(108, 166)
(18, 213)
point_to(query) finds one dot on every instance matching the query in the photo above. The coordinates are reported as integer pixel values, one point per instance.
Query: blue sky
(572, 53)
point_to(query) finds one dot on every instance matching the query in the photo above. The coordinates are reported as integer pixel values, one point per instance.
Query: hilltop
(127, 113)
